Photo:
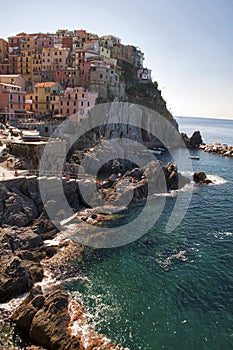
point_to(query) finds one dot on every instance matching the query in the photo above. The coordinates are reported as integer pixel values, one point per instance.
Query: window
(36, 98)
(81, 103)
(74, 103)
(88, 104)
(101, 76)
(68, 102)
(74, 111)
(46, 129)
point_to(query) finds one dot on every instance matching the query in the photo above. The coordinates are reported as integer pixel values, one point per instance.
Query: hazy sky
(188, 44)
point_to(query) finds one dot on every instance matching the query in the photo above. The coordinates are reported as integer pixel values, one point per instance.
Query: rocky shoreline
(44, 317)
(217, 148)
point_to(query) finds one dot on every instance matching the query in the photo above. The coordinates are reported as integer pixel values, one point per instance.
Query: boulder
(20, 253)
(201, 178)
(45, 318)
(174, 180)
(19, 209)
(15, 278)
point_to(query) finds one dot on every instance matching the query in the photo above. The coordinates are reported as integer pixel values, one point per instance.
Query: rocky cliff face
(144, 94)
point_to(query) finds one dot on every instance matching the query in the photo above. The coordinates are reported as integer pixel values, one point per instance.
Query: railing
(66, 175)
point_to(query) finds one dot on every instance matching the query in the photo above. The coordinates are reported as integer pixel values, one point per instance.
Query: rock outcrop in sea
(194, 141)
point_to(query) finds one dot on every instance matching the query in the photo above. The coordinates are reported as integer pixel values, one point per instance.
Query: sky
(188, 44)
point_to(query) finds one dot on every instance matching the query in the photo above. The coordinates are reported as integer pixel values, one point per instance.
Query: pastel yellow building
(26, 43)
(36, 71)
(54, 58)
(25, 65)
(45, 100)
(104, 52)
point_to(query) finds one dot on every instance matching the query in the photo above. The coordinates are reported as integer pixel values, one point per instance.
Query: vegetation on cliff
(143, 93)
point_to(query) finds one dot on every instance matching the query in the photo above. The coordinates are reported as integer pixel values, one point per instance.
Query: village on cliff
(46, 79)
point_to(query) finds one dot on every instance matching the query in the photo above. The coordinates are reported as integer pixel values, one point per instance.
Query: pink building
(12, 100)
(68, 77)
(76, 103)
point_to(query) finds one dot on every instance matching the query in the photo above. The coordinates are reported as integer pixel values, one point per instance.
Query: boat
(152, 151)
(31, 136)
(194, 157)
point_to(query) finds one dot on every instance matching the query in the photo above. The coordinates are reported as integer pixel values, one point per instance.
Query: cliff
(144, 93)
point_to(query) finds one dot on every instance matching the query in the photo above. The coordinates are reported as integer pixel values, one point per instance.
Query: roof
(11, 85)
(9, 75)
(45, 84)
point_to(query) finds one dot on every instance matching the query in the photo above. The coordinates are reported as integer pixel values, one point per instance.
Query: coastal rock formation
(174, 179)
(194, 141)
(16, 208)
(161, 179)
(45, 319)
(201, 178)
(123, 120)
(48, 319)
(20, 253)
(218, 148)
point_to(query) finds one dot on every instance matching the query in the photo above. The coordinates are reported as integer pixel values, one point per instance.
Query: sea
(172, 290)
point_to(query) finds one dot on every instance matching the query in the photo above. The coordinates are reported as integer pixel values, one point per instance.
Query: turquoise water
(172, 291)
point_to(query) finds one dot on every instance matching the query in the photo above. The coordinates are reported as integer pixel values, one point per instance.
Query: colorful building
(12, 100)
(54, 58)
(25, 65)
(105, 80)
(46, 98)
(76, 103)
(3, 49)
(144, 74)
(13, 79)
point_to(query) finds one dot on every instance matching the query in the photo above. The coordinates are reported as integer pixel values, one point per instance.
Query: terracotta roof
(45, 84)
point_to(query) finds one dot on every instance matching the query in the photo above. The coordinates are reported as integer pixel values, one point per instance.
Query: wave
(216, 179)
(13, 303)
(87, 324)
(221, 234)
